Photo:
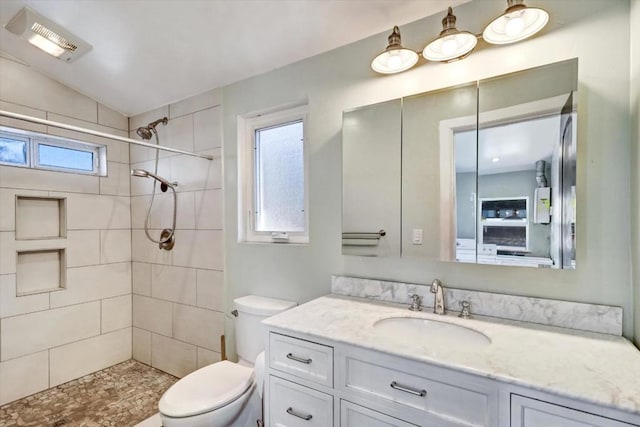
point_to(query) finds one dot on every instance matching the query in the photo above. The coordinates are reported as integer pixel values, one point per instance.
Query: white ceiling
(148, 53)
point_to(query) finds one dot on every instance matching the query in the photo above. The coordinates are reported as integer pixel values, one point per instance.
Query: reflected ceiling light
(495, 159)
(518, 22)
(452, 44)
(395, 58)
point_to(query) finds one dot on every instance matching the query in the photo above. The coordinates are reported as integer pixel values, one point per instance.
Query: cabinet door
(293, 405)
(352, 415)
(526, 412)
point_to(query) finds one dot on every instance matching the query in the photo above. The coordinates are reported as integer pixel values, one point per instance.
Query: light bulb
(394, 61)
(514, 25)
(449, 45)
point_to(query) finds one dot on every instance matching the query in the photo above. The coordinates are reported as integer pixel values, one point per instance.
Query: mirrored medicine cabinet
(482, 173)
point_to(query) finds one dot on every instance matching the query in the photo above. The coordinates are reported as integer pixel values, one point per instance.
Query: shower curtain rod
(97, 133)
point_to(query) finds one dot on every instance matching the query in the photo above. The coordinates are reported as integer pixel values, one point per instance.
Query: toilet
(226, 394)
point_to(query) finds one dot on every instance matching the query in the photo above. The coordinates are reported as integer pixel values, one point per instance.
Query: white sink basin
(410, 329)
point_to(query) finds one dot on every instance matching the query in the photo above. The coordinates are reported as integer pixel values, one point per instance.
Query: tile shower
(118, 296)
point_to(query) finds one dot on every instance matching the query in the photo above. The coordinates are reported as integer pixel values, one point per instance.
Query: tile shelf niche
(40, 271)
(39, 218)
(39, 266)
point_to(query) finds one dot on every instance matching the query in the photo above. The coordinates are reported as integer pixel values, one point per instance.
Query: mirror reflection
(478, 173)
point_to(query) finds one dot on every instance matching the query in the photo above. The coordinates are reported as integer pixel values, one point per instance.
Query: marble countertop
(596, 368)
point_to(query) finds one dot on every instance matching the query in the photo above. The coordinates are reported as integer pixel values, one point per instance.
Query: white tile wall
(83, 357)
(24, 376)
(115, 246)
(111, 118)
(175, 284)
(31, 333)
(142, 345)
(83, 247)
(207, 129)
(178, 308)
(198, 326)
(52, 337)
(172, 356)
(207, 357)
(117, 181)
(208, 209)
(8, 206)
(95, 212)
(211, 290)
(199, 102)
(13, 305)
(142, 278)
(152, 315)
(94, 282)
(116, 313)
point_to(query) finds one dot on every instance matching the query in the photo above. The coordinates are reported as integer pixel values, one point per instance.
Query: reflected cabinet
(483, 172)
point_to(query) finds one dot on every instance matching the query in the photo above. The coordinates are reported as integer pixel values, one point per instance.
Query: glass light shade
(394, 61)
(515, 25)
(450, 47)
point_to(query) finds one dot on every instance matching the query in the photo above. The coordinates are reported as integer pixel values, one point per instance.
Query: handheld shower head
(146, 174)
(146, 132)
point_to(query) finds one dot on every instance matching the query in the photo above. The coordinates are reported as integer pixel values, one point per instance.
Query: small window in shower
(41, 151)
(275, 177)
(13, 150)
(54, 156)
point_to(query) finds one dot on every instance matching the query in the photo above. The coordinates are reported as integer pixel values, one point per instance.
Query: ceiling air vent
(47, 35)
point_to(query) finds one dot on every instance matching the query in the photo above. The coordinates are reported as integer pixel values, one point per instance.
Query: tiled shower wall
(52, 337)
(178, 302)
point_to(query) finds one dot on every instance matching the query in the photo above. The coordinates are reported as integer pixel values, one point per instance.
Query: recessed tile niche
(40, 268)
(40, 218)
(40, 271)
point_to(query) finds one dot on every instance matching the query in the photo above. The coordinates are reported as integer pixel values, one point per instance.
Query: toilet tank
(252, 309)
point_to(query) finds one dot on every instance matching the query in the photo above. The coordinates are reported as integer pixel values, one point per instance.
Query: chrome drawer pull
(290, 411)
(407, 389)
(298, 359)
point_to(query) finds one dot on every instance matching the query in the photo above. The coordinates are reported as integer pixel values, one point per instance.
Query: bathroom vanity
(351, 362)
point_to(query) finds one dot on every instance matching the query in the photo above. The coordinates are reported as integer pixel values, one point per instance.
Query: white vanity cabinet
(326, 383)
(528, 412)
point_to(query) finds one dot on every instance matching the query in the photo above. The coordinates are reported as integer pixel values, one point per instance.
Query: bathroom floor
(122, 395)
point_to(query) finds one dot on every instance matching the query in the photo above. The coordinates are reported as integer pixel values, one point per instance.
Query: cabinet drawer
(293, 405)
(304, 359)
(456, 401)
(527, 412)
(352, 415)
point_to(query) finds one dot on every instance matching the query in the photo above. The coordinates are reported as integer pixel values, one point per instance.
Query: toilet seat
(206, 389)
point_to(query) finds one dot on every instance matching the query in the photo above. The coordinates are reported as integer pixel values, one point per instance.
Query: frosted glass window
(13, 150)
(66, 158)
(279, 178)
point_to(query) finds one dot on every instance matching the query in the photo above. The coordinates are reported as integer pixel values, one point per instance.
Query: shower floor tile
(122, 395)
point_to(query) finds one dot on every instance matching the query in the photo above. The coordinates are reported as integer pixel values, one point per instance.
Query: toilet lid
(206, 389)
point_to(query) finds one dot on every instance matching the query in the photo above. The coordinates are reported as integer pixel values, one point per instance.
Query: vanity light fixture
(518, 22)
(451, 44)
(395, 58)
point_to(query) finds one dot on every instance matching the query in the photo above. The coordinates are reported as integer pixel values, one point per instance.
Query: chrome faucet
(438, 302)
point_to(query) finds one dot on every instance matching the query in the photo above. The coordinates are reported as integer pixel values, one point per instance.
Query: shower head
(146, 132)
(146, 174)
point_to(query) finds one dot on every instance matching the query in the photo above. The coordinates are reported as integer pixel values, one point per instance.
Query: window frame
(35, 139)
(247, 196)
(17, 137)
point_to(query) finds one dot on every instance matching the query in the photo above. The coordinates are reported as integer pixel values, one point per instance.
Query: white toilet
(226, 394)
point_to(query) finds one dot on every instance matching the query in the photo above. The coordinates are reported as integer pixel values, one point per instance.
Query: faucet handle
(416, 302)
(465, 313)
